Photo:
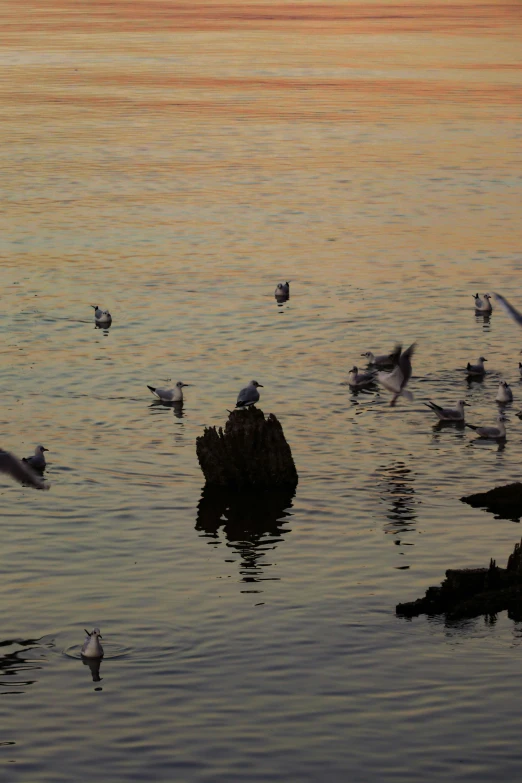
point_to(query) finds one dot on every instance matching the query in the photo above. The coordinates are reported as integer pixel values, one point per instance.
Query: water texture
(173, 162)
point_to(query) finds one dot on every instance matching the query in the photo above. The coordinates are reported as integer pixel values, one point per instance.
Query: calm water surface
(173, 163)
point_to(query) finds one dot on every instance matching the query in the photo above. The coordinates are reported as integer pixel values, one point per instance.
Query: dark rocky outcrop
(505, 501)
(251, 452)
(470, 592)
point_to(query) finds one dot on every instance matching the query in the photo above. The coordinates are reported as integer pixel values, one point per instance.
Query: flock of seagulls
(392, 371)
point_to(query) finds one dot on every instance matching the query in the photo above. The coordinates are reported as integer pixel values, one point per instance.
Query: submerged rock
(505, 501)
(251, 452)
(470, 592)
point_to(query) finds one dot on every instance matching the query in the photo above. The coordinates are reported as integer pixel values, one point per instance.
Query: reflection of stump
(469, 592)
(251, 452)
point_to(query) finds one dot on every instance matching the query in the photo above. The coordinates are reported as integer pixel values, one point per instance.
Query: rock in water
(250, 452)
(504, 502)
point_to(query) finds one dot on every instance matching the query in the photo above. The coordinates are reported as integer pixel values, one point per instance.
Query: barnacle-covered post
(250, 452)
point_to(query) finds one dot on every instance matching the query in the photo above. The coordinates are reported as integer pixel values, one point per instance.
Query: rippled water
(173, 163)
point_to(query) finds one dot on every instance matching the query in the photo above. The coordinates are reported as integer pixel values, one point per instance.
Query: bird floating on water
(21, 471)
(483, 305)
(383, 360)
(491, 433)
(504, 393)
(248, 395)
(478, 368)
(101, 317)
(358, 380)
(448, 414)
(170, 395)
(397, 380)
(37, 460)
(91, 646)
(282, 291)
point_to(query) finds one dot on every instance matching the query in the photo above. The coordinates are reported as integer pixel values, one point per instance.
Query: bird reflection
(251, 522)
(94, 665)
(14, 663)
(397, 485)
(484, 319)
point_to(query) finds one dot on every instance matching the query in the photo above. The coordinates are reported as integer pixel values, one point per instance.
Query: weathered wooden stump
(470, 592)
(505, 501)
(251, 452)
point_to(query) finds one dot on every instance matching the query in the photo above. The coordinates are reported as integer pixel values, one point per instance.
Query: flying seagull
(20, 471)
(397, 380)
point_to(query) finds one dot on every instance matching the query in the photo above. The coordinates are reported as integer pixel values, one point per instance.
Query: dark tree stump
(505, 501)
(470, 592)
(251, 452)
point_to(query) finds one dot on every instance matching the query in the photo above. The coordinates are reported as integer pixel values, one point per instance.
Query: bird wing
(405, 363)
(510, 310)
(395, 354)
(248, 394)
(165, 394)
(392, 381)
(20, 471)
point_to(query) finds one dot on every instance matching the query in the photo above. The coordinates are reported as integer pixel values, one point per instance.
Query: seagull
(358, 380)
(482, 306)
(249, 395)
(504, 393)
(491, 433)
(510, 310)
(282, 290)
(37, 460)
(478, 368)
(397, 380)
(170, 395)
(384, 360)
(91, 646)
(101, 317)
(448, 414)
(20, 471)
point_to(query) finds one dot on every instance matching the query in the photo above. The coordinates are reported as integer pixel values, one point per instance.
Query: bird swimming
(37, 460)
(478, 368)
(91, 646)
(448, 414)
(491, 433)
(358, 380)
(248, 395)
(101, 317)
(397, 380)
(282, 291)
(170, 395)
(383, 360)
(483, 305)
(20, 471)
(504, 393)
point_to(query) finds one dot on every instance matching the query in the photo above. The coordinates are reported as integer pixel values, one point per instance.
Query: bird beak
(87, 632)
(44, 449)
(100, 636)
(260, 384)
(186, 384)
(468, 405)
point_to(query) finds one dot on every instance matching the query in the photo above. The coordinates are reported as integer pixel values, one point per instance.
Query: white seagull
(397, 380)
(101, 317)
(448, 414)
(358, 380)
(282, 290)
(478, 368)
(483, 305)
(37, 460)
(491, 433)
(91, 646)
(169, 395)
(383, 360)
(249, 395)
(504, 393)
